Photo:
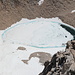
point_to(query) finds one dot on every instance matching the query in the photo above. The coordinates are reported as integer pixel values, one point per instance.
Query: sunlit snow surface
(73, 11)
(40, 2)
(28, 33)
(37, 33)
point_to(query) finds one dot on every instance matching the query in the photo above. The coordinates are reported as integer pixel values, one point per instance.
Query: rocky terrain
(62, 63)
(12, 11)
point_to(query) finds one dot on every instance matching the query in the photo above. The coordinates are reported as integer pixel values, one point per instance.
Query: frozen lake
(40, 33)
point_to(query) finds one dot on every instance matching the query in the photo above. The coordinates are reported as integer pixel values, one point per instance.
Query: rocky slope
(12, 11)
(62, 63)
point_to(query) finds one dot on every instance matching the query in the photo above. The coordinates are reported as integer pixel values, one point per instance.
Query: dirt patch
(41, 55)
(21, 48)
(12, 11)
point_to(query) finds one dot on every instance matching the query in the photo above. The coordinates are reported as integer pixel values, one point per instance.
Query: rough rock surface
(12, 11)
(62, 63)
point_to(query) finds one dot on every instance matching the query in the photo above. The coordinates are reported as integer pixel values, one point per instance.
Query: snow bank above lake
(72, 11)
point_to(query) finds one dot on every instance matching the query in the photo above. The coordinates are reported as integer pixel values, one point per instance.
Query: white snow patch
(11, 64)
(40, 2)
(72, 11)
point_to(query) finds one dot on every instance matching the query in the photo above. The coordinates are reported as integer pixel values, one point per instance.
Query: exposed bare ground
(41, 55)
(12, 11)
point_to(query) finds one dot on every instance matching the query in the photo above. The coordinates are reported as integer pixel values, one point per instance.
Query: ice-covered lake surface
(40, 33)
(39, 37)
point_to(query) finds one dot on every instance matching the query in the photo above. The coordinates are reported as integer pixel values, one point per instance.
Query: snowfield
(37, 35)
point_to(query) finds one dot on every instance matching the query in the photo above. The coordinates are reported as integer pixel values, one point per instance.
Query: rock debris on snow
(21, 48)
(43, 56)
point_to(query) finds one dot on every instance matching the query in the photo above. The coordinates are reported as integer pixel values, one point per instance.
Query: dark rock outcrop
(62, 63)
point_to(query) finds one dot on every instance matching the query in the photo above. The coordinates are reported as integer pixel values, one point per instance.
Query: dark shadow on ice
(70, 30)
